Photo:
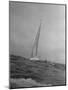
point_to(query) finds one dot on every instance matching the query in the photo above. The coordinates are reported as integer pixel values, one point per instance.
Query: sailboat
(35, 45)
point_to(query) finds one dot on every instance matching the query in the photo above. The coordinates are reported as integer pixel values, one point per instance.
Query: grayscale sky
(23, 26)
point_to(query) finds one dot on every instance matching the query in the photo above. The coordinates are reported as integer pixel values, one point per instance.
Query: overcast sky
(23, 26)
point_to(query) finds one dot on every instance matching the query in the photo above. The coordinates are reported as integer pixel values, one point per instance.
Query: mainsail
(35, 46)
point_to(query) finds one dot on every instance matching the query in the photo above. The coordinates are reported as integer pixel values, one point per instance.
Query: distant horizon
(38, 60)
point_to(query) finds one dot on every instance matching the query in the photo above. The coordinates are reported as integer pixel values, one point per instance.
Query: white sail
(35, 46)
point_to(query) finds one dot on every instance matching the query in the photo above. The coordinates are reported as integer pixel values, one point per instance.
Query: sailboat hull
(34, 58)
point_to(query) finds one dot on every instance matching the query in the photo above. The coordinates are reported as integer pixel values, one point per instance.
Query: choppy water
(26, 82)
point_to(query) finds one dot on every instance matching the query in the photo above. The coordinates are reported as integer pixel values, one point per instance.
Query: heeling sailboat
(35, 46)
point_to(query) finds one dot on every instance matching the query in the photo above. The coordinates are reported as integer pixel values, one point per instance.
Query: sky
(24, 20)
